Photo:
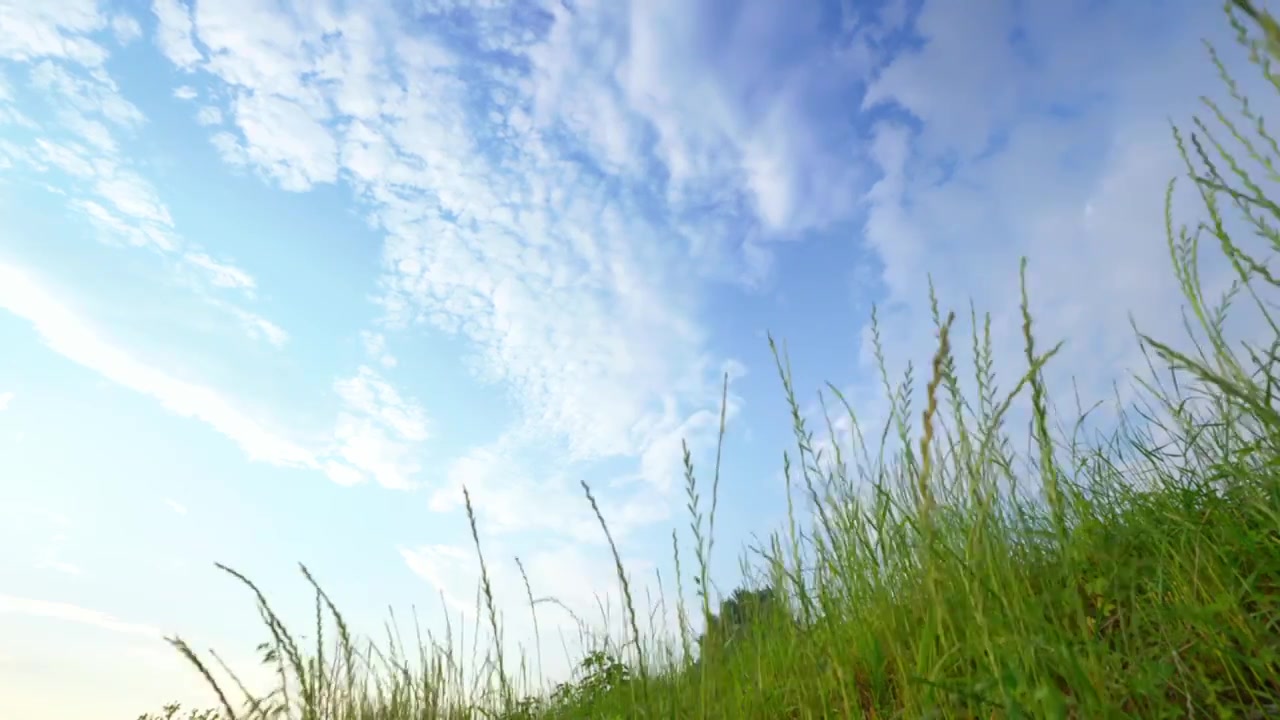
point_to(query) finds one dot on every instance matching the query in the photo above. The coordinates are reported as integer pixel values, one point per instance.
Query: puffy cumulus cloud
(93, 119)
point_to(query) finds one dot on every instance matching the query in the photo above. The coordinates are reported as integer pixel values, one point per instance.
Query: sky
(278, 279)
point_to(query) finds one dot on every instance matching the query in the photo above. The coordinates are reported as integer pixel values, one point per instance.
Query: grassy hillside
(1135, 574)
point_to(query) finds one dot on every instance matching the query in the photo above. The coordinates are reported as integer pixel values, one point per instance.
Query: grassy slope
(1140, 578)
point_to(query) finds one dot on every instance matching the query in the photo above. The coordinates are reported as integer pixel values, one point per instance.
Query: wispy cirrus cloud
(54, 29)
(64, 44)
(92, 122)
(67, 612)
(377, 433)
(64, 331)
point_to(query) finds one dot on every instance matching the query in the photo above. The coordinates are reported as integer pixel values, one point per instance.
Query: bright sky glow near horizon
(278, 278)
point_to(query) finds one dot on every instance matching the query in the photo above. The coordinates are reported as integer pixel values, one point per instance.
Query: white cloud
(176, 506)
(134, 197)
(173, 33)
(115, 198)
(6, 398)
(66, 612)
(375, 346)
(343, 474)
(209, 115)
(71, 158)
(508, 497)
(374, 441)
(754, 121)
(448, 568)
(582, 306)
(90, 130)
(12, 116)
(287, 143)
(489, 235)
(261, 328)
(113, 226)
(378, 433)
(1066, 165)
(369, 449)
(573, 282)
(67, 334)
(941, 94)
(92, 93)
(52, 29)
(368, 394)
(185, 92)
(221, 274)
(125, 28)
(518, 485)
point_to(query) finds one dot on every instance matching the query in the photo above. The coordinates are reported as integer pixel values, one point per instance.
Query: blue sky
(279, 278)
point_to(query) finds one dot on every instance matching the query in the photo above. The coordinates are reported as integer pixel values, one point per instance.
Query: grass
(945, 575)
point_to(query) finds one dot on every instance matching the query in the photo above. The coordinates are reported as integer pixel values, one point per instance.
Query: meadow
(952, 563)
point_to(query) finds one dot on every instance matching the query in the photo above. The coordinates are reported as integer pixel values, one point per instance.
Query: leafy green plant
(600, 673)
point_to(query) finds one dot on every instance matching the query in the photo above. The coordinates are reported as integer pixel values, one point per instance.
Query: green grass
(944, 574)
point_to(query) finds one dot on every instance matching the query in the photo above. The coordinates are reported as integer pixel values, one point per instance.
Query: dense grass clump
(946, 574)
